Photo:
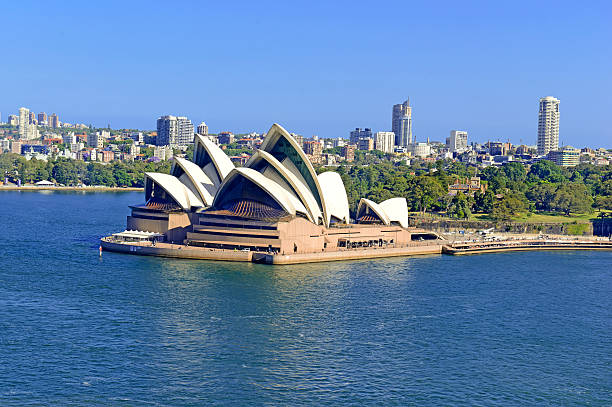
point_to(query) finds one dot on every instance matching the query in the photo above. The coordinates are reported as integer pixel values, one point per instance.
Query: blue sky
(315, 67)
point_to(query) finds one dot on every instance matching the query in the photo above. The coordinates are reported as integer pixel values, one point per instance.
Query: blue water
(499, 329)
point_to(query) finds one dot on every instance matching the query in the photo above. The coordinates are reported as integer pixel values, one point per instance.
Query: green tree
(424, 191)
(508, 207)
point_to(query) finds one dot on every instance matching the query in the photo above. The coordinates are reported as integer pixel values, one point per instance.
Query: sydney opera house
(275, 204)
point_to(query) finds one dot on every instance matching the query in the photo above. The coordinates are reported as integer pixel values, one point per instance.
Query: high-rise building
(54, 121)
(358, 134)
(548, 125)
(203, 129)
(174, 131)
(32, 118)
(13, 120)
(401, 123)
(42, 118)
(458, 140)
(24, 121)
(385, 141)
(27, 131)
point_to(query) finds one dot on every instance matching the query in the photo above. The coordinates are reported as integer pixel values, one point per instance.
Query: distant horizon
(318, 68)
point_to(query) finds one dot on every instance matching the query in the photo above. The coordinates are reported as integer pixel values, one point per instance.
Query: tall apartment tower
(54, 121)
(27, 130)
(548, 125)
(42, 118)
(174, 131)
(24, 122)
(385, 141)
(401, 123)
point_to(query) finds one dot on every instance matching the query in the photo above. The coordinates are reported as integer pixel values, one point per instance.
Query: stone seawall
(447, 225)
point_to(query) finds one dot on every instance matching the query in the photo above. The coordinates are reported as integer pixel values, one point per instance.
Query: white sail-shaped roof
(365, 204)
(202, 185)
(397, 210)
(213, 161)
(287, 201)
(335, 199)
(280, 144)
(182, 195)
(295, 182)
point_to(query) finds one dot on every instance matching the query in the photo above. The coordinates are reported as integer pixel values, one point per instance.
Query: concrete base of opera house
(201, 253)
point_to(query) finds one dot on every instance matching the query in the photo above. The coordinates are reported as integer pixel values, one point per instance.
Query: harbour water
(532, 328)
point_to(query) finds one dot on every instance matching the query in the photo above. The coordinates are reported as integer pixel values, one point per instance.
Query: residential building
(27, 131)
(458, 141)
(174, 131)
(358, 134)
(16, 147)
(498, 148)
(567, 156)
(24, 122)
(42, 118)
(365, 144)
(338, 142)
(548, 125)
(226, 137)
(54, 121)
(13, 120)
(467, 186)
(313, 148)
(203, 129)
(163, 152)
(105, 156)
(299, 139)
(385, 141)
(32, 118)
(95, 140)
(401, 123)
(348, 152)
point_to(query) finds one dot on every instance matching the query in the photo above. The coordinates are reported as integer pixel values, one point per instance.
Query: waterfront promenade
(474, 246)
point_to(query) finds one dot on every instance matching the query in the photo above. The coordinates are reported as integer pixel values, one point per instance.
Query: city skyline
(485, 77)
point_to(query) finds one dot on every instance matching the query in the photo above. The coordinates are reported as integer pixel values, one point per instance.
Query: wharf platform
(524, 245)
(194, 252)
(414, 249)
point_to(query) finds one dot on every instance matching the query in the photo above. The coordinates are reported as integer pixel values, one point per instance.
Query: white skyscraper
(457, 140)
(174, 131)
(548, 125)
(385, 141)
(27, 131)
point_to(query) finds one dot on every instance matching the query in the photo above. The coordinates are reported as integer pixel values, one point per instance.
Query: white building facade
(548, 125)
(385, 141)
(458, 141)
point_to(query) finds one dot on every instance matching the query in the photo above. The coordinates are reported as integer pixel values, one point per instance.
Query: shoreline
(81, 189)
